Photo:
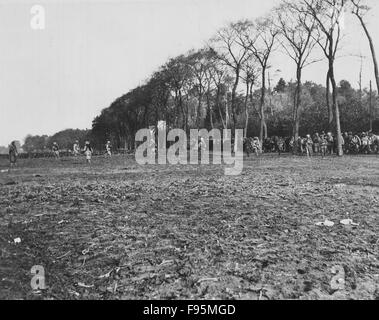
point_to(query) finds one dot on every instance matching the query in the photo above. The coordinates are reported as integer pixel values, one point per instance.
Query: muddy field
(115, 230)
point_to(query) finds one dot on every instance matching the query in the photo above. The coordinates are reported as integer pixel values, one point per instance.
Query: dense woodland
(227, 83)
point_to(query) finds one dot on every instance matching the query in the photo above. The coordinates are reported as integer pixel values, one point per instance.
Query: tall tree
(200, 63)
(249, 77)
(259, 39)
(360, 10)
(296, 30)
(226, 44)
(328, 33)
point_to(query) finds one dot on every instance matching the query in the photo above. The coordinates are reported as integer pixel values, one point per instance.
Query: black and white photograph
(189, 150)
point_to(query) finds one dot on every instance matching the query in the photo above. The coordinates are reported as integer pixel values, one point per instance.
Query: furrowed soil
(116, 230)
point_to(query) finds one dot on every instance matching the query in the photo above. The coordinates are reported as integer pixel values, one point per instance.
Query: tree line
(227, 84)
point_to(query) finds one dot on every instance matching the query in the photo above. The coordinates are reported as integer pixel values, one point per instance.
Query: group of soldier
(76, 151)
(87, 150)
(319, 144)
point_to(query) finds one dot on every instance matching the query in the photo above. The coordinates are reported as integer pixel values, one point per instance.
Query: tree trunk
(219, 106)
(330, 109)
(263, 132)
(375, 61)
(246, 108)
(296, 116)
(234, 94)
(336, 108)
(198, 113)
(209, 107)
(226, 111)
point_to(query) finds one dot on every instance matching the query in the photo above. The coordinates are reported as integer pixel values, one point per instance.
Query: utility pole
(370, 105)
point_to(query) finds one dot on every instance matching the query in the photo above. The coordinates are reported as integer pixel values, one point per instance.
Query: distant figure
(309, 146)
(13, 154)
(88, 151)
(330, 140)
(108, 148)
(316, 143)
(55, 149)
(257, 147)
(202, 145)
(76, 148)
(300, 145)
(280, 145)
(323, 145)
(365, 148)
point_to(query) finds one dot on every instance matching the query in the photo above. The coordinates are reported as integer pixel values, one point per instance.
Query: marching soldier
(55, 149)
(316, 143)
(308, 142)
(323, 145)
(108, 148)
(76, 148)
(88, 151)
(13, 154)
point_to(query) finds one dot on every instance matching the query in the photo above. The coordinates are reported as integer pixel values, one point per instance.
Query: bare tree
(259, 39)
(360, 10)
(220, 78)
(233, 55)
(296, 37)
(199, 63)
(328, 34)
(249, 77)
(179, 74)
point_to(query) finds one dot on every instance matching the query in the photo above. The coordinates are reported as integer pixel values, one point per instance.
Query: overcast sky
(92, 52)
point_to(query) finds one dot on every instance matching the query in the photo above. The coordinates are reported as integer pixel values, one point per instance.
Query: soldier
(365, 143)
(330, 141)
(316, 143)
(108, 148)
(76, 148)
(88, 151)
(308, 142)
(323, 145)
(55, 149)
(374, 143)
(248, 146)
(281, 145)
(300, 145)
(202, 145)
(256, 146)
(13, 154)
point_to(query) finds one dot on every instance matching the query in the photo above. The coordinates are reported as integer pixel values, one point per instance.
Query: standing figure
(280, 145)
(309, 145)
(76, 148)
(330, 140)
(202, 145)
(291, 145)
(365, 143)
(323, 145)
(300, 146)
(256, 145)
(13, 154)
(55, 149)
(88, 151)
(316, 143)
(248, 146)
(374, 143)
(108, 148)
